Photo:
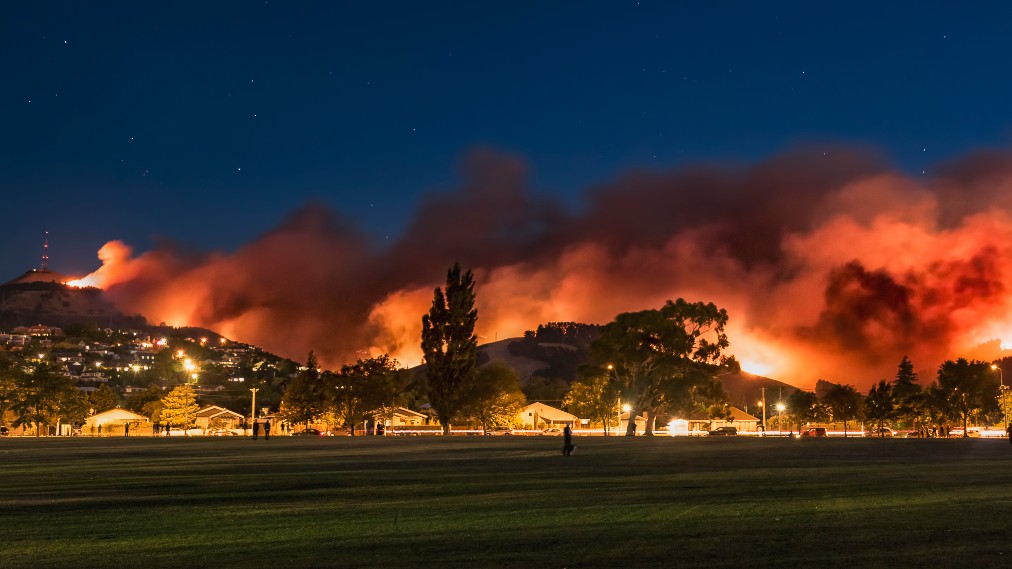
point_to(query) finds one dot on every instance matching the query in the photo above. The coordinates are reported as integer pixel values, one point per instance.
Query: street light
(618, 427)
(1001, 393)
(780, 412)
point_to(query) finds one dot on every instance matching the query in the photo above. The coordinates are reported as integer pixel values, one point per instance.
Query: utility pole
(764, 410)
(253, 406)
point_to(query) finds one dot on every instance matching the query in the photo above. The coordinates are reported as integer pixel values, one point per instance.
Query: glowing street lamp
(619, 405)
(780, 413)
(1001, 394)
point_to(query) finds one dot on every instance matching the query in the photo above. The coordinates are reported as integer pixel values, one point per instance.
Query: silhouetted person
(126, 429)
(267, 430)
(256, 430)
(167, 433)
(567, 441)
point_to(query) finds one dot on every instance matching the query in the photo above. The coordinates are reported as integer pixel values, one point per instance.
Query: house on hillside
(740, 419)
(114, 422)
(540, 416)
(214, 417)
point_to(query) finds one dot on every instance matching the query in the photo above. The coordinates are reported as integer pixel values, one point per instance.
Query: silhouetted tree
(450, 346)
(103, 398)
(305, 397)
(805, 407)
(844, 403)
(361, 389)
(42, 393)
(495, 398)
(970, 388)
(879, 404)
(907, 393)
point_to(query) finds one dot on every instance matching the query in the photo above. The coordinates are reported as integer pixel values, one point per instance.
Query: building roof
(116, 414)
(212, 411)
(405, 412)
(549, 413)
(739, 415)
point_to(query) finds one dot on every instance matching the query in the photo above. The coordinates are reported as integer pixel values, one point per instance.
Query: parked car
(814, 432)
(957, 433)
(554, 431)
(4, 431)
(499, 431)
(221, 433)
(724, 432)
(310, 432)
(882, 432)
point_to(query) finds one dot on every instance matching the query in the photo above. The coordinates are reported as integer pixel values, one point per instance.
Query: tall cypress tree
(450, 345)
(305, 395)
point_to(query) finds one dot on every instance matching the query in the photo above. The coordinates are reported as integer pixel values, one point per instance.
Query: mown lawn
(504, 502)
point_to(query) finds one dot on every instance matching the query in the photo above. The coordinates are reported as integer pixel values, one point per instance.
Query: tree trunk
(630, 426)
(845, 429)
(446, 427)
(649, 432)
(965, 433)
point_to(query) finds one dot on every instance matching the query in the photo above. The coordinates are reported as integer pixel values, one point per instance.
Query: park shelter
(539, 416)
(114, 421)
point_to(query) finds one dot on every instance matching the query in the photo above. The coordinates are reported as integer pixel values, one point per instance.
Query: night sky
(208, 123)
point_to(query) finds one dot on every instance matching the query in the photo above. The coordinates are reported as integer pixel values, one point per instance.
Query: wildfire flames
(831, 264)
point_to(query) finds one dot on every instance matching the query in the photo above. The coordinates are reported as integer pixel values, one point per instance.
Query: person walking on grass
(256, 429)
(567, 441)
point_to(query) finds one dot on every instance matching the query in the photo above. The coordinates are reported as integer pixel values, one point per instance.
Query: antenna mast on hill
(45, 252)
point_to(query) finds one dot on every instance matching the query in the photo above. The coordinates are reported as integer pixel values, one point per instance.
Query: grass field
(504, 502)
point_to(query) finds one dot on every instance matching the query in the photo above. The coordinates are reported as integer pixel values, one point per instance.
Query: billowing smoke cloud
(831, 264)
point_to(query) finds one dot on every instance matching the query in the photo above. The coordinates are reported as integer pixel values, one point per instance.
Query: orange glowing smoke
(831, 266)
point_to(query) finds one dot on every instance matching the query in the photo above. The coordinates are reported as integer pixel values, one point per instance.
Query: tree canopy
(659, 355)
(494, 397)
(180, 407)
(362, 388)
(970, 387)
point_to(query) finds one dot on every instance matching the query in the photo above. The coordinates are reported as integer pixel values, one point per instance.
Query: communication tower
(45, 252)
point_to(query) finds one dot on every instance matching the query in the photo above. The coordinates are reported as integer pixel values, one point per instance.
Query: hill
(29, 300)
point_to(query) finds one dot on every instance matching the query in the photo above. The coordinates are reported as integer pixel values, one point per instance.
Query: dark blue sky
(209, 122)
